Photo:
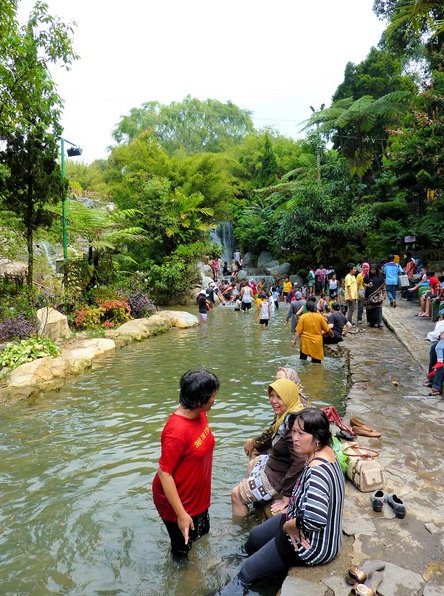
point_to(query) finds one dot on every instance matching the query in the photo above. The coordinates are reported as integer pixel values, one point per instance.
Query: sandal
(435, 392)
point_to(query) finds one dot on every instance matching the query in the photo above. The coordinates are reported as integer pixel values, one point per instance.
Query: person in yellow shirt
(351, 291)
(288, 286)
(365, 268)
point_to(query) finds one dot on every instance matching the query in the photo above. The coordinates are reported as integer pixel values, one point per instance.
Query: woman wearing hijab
(374, 296)
(365, 268)
(275, 472)
(262, 443)
(310, 329)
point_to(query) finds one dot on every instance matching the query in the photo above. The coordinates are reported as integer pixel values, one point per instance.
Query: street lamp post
(73, 151)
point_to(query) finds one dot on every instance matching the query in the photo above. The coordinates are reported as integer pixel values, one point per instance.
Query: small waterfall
(224, 238)
(46, 248)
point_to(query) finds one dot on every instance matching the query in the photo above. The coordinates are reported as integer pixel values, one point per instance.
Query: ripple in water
(76, 515)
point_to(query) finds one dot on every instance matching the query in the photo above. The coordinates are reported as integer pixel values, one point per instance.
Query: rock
(242, 275)
(206, 281)
(246, 259)
(397, 580)
(264, 257)
(295, 585)
(297, 279)
(179, 319)
(136, 329)
(52, 324)
(279, 271)
(206, 270)
(270, 265)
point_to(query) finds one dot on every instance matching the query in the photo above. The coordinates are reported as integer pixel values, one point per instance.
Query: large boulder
(280, 270)
(263, 258)
(297, 279)
(247, 259)
(52, 323)
(179, 318)
(270, 265)
(241, 275)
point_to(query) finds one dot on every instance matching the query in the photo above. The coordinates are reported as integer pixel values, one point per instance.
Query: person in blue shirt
(391, 272)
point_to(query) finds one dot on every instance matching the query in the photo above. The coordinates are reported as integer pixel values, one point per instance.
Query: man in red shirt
(182, 484)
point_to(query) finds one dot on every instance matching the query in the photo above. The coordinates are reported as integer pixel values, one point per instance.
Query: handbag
(403, 281)
(363, 468)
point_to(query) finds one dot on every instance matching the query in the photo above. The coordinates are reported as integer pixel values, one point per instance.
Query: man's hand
(185, 523)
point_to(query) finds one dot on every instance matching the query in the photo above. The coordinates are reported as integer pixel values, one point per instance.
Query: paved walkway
(387, 371)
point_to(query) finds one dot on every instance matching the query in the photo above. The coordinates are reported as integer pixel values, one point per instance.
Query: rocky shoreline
(77, 355)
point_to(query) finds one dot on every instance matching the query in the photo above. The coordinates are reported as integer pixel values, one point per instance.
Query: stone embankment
(387, 392)
(48, 373)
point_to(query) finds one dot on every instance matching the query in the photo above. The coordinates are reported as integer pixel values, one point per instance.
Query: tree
(191, 125)
(30, 109)
(34, 180)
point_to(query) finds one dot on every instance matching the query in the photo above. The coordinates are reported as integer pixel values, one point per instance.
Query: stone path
(387, 392)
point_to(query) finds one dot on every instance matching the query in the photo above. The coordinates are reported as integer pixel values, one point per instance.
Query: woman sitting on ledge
(275, 471)
(310, 532)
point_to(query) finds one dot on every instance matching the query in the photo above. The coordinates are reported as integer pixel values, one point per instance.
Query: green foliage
(26, 351)
(192, 125)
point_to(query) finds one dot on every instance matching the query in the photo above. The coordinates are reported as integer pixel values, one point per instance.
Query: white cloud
(274, 59)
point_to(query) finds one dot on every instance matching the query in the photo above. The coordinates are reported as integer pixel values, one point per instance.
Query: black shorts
(246, 305)
(264, 322)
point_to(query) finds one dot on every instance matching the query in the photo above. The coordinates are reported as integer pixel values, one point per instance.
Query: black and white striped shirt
(317, 502)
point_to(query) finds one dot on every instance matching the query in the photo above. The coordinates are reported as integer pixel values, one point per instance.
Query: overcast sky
(272, 58)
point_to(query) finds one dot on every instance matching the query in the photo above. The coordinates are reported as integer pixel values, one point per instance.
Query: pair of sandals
(367, 578)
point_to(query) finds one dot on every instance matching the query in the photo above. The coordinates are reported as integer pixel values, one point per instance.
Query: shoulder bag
(363, 468)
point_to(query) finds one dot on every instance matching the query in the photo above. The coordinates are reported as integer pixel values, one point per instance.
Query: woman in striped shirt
(310, 532)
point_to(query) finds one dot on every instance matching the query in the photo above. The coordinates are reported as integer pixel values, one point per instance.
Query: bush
(87, 317)
(26, 351)
(140, 305)
(108, 314)
(18, 327)
(115, 311)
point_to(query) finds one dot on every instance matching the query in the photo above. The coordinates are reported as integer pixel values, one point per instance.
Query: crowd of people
(292, 463)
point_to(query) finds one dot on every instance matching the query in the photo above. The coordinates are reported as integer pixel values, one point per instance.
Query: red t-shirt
(187, 454)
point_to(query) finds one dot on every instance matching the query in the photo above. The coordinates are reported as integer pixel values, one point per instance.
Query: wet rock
(52, 324)
(136, 329)
(242, 275)
(296, 585)
(271, 265)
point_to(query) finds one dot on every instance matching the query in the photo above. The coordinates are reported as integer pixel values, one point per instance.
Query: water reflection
(76, 515)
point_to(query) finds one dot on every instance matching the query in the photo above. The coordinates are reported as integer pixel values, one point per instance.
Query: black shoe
(396, 504)
(377, 500)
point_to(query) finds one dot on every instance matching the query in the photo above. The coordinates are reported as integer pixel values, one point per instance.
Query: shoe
(394, 304)
(342, 434)
(391, 303)
(370, 586)
(428, 384)
(360, 574)
(365, 431)
(435, 392)
(396, 504)
(377, 500)
(380, 326)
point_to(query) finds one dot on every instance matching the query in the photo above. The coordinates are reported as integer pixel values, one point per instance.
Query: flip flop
(342, 434)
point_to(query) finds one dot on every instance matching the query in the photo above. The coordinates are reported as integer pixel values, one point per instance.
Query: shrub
(87, 317)
(17, 327)
(26, 351)
(140, 305)
(116, 311)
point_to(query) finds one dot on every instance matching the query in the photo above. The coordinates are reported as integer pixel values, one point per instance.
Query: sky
(274, 59)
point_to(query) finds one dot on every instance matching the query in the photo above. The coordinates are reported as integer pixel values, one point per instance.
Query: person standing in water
(182, 484)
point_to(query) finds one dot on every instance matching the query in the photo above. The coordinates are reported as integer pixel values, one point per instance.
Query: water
(76, 515)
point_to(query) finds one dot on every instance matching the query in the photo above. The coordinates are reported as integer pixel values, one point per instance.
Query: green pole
(64, 234)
